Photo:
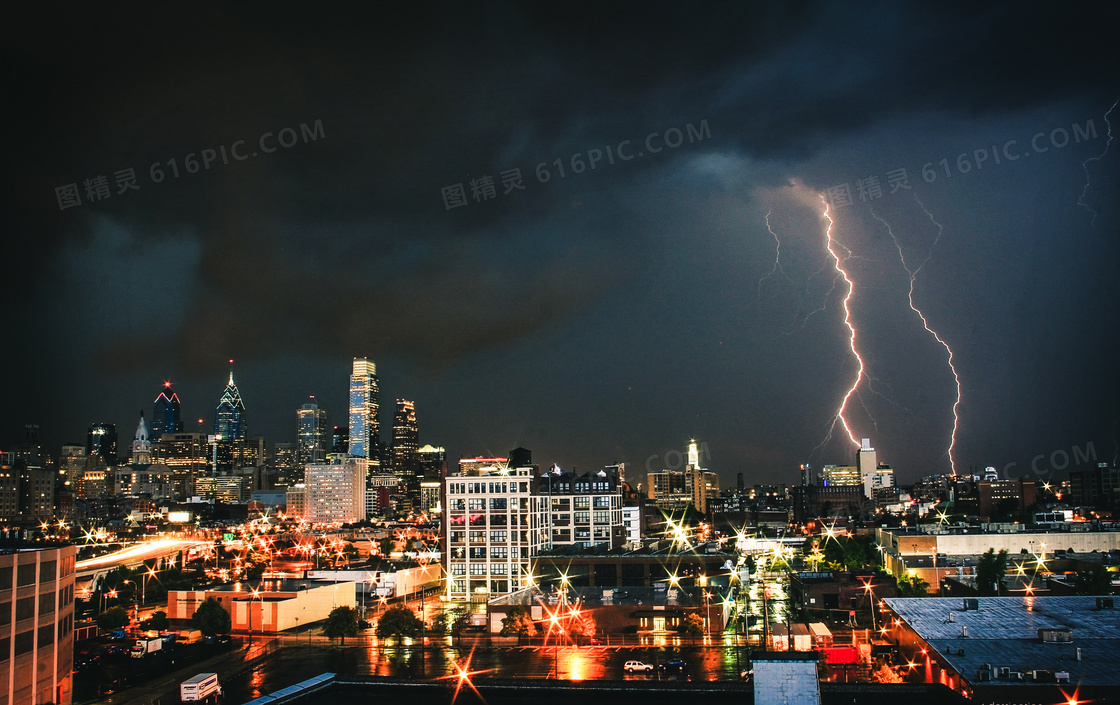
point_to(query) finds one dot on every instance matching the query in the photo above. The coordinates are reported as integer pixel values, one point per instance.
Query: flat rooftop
(277, 585)
(1003, 632)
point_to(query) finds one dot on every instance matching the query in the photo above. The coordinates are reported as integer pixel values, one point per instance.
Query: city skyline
(778, 229)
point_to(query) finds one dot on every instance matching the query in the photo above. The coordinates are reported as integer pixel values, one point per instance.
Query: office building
(847, 475)
(166, 413)
(433, 463)
(312, 434)
(406, 440)
(102, 442)
(37, 624)
(477, 466)
(336, 490)
(487, 537)
(188, 455)
(582, 511)
(26, 491)
(364, 436)
(230, 429)
(288, 471)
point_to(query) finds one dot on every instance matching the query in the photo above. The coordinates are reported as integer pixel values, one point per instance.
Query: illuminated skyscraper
(102, 441)
(229, 419)
(365, 429)
(406, 439)
(312, 433)
(165, 414)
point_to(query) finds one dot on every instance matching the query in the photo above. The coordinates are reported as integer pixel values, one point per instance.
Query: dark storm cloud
(343, 246)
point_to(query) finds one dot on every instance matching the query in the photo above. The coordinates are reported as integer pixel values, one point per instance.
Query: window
(5, 648)
(47, 571)
(46, 635)
(476, 505)
(497, 537)
(46, 603)
(25, 575)
(477, 536)
(500, 552)
(458, 568)
(478, 569)
(582, 502)
(497, 502)
(25, 608)
(25, 642)
(498, 569)
(477, 553)
(602, 517)
(603, 502)
(5, 577)
(457, 536)
(6, 612)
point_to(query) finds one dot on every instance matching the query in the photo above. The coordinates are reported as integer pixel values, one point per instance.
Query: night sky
(607, 314)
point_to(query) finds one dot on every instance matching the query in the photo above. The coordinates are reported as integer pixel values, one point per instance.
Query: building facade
(364, 436)
(37, 625)
(335, 491)
(313, 434)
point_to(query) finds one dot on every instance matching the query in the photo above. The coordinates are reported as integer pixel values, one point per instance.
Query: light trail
(838, 265)
(140, 551)
(913, 275)
(1085, 167)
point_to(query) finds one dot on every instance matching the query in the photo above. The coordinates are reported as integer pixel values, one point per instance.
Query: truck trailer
(200, 688)
(146, 646)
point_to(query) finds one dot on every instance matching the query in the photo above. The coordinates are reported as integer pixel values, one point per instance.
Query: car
(595, 641)
(363, 624)
(633, 666)
(676, 665)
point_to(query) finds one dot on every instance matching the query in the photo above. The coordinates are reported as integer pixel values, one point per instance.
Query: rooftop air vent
(1055, 636)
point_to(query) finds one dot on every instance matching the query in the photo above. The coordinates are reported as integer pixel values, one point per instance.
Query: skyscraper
(102, 441)
(229, 419)
(335, 492)
(311, 433)
(165, 413)
(365, 429)
(406, 439)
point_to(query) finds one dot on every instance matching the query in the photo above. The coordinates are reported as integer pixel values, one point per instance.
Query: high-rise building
(165, 413)
(187, 455)
(582, 511)
(71, 463)
(37, 625)
(26, 491)
(311, 433)
(102, 441)
(229, 417)
(336, 490)
(365, 429)
(340, 440)
(406, 439)
(866, 462)
(288, 471)
(433, 463)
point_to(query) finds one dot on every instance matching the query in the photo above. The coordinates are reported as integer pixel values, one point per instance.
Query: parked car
(363, 624)
(633, 666)
(674, 666)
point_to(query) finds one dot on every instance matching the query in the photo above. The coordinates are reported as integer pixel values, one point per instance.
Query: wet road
(299, 662)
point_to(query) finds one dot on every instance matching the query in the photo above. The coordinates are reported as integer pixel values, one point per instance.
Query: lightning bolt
(777, 259)
(913, 275)
(838, 264)
(1085, 167)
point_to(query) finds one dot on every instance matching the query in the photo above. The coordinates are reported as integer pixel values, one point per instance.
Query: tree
(341, 622)
(691, 625)
(399, 620)
(518, 622)
(913, 586)
(158, 621)
(1094, 580)
(990, 572)
(211, 618)
(113, 618)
